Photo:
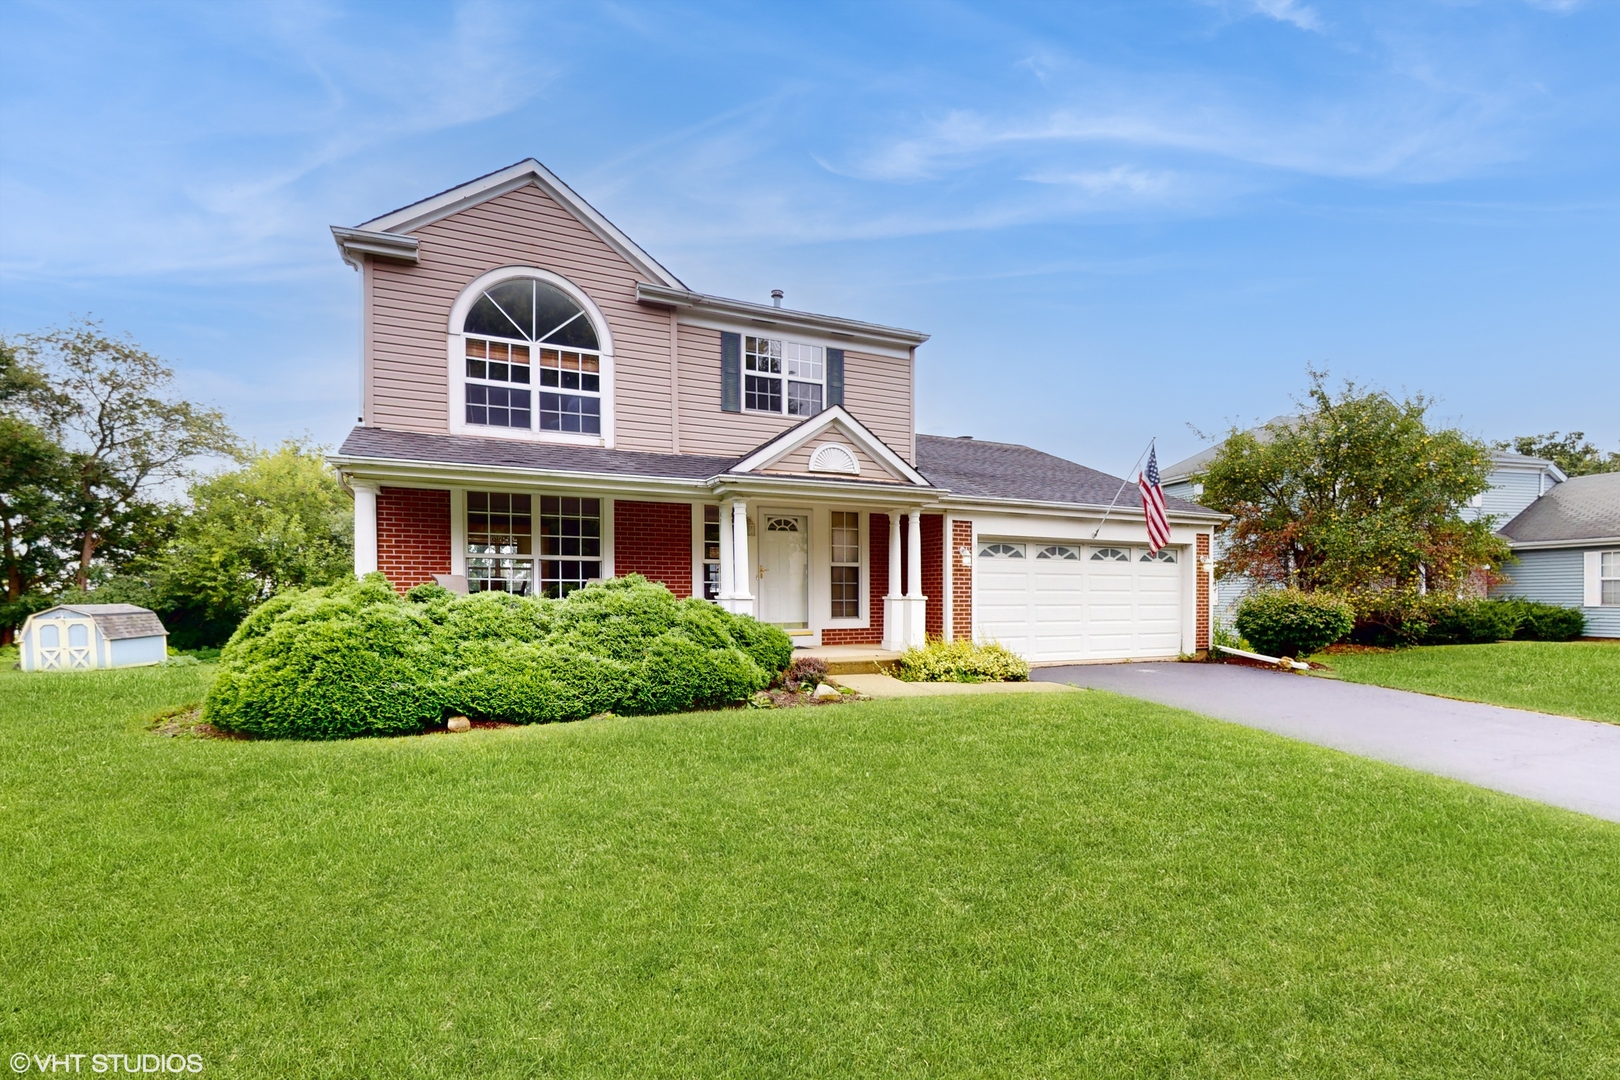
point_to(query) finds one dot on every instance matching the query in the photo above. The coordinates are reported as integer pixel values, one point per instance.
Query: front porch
(852, 659)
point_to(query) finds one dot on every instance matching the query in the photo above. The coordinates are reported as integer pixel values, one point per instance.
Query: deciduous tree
(1571, 453)
(1357, 495)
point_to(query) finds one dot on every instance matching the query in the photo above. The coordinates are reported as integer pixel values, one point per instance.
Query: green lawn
(1573, 678)
(1033, 885)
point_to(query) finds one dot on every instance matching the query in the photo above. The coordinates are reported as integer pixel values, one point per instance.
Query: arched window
(533, 360)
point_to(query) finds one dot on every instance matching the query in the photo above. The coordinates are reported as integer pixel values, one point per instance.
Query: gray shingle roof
(1581, 508)
(119, 621)
(510, 453)
(964, 466)
(1008, 471)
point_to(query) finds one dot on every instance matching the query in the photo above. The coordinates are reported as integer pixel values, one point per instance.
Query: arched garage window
(533, 360)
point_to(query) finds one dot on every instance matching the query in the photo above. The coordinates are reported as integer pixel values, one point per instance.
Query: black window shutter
(835, 376)
(730, 372)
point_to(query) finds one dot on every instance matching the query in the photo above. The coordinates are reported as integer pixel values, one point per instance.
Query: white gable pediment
(832, 444)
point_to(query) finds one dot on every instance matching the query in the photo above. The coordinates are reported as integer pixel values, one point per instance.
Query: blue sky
(1117, 220)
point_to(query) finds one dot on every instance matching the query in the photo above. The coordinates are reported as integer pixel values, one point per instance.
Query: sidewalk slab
(887, 686)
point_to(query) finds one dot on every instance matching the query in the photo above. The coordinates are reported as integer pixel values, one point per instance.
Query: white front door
(784, 569)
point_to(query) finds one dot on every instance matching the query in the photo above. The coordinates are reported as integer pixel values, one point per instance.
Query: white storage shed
(72, 636)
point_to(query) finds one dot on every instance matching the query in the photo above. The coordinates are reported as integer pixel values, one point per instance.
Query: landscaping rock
(459, 723)
(825, 692)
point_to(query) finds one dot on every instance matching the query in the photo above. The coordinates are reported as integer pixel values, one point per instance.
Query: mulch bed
(186, 722)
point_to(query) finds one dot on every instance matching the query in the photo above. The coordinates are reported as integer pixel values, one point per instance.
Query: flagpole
(1121, 490)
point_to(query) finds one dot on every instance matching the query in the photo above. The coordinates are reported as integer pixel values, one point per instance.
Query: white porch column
(728, 565)
(916, 602)
(365, 526)
(742, 598)
(903, 609)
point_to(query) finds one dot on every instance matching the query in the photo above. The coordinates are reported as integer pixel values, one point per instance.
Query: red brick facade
(961, 581)
(933, 573)
(877, 577)
(655, 541)
(413, 535)
(1201, 630)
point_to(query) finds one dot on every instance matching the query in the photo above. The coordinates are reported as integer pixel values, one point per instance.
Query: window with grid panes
(521, 327)
(570, 543)
(786, 377)
(846, 565)
(500, 542)
(1609, 576)
(711, 553)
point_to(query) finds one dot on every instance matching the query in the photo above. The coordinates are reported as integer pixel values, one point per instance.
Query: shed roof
(118, 621)
(1581, 508)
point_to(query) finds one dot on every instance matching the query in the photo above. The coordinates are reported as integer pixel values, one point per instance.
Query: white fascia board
(793, 438)
(356, 244)
(750, 315)
(970, 503)
(849, 491)
(498, 183)
(1582, 542)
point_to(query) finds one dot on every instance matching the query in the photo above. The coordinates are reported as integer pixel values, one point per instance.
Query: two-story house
(543, 404)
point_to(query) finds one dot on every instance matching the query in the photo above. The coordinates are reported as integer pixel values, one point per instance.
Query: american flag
(1158, 526)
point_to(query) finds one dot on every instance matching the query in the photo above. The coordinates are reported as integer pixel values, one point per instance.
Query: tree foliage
(1356, 495)
(281, 522)
(1571, 452)
(111, 407)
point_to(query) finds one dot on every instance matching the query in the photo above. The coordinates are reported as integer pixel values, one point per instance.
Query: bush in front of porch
(357, 659)
(961, 661)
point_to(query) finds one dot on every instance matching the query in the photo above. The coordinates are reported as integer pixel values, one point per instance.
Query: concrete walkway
(887, 686)
(1553, 759)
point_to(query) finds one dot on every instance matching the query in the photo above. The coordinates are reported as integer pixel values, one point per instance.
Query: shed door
(1050, 601)
(60, 644)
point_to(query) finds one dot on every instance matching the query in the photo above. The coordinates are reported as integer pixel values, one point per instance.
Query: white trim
(1592, 579)
(605, 528)
(365, 525)
(355, 244)
(455, 361)
(795, 437)
(947, 614)
(498, 183)
(1544, 545)
(458, 531)
(766, 316)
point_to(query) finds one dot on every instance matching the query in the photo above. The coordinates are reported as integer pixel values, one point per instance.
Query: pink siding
(408, 309)
(411, 306)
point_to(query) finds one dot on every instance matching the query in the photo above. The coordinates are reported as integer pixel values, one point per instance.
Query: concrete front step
(852, 659)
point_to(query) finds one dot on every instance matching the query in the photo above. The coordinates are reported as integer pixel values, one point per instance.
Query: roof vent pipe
(776, 297)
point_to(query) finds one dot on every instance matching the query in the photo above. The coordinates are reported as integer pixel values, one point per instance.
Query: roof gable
(836, 426)
(1581, 508)
(387, 235)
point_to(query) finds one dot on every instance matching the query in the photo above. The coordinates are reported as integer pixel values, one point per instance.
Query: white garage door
(1054, 601)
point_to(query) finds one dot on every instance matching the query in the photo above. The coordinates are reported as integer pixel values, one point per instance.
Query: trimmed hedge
(357, 659)
(961, 661)
(1287, 622)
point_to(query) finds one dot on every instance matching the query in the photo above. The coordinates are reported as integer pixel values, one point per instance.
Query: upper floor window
(525, 333)
(783, 377)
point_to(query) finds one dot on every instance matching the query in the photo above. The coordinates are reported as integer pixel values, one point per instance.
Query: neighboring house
(1516, 481)
(92, 636)
(1568, 548)
(544, 405)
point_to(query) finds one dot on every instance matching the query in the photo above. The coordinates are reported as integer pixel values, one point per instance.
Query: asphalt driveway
(1565, 762)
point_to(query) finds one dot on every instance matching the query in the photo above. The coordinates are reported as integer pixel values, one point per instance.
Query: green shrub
(1446, 620)
(329, 663)
(1287, 622)
(1548, 622)
(358, 659)
(961, 661)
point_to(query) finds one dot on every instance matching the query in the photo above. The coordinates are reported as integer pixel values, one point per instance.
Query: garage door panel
(1087, 609)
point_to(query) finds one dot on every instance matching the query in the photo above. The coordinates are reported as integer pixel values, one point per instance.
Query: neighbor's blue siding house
(1568, 548)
